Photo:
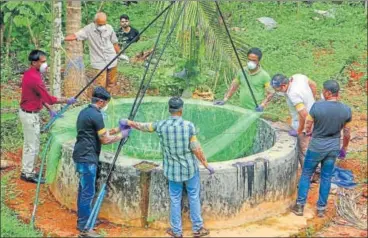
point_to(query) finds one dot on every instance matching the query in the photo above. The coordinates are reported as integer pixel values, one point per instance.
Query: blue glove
(210, 169)
(219, 102)
(123, 124)
(293, 133)
(71, 100)
(259, 108)
(126, 131)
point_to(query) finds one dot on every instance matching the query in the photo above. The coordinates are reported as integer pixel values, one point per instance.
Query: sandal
(170, 232)
(201, 232)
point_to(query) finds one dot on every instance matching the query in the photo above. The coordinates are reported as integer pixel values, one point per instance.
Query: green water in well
(224, 134)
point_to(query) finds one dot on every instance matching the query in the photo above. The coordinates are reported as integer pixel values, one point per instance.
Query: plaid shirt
(179, 163)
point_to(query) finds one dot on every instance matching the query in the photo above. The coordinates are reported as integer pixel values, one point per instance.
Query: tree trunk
(32, 35)
(55, 50)
(2, 27)
(74, 79)
(7, 44)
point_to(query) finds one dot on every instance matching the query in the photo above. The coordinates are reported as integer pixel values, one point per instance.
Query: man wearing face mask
(91, 133)
(259, 81)
(34, 97)
(324, 123)
(103, 47)
(299, 91)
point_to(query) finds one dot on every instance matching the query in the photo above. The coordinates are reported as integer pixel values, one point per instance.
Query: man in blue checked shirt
(181, 151)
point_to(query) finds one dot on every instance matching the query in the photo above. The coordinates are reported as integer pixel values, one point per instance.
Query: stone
(268, 22)
(6, 164)
(327, 14)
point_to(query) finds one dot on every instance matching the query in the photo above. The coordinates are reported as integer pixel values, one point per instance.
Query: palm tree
(56, 49)
(74, 68)
(201, 29)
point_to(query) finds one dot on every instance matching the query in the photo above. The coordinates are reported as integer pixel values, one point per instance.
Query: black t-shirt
(329, 118)
(126, 37)
(88, 146)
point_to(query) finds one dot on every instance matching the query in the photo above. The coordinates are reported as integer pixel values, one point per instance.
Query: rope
(236, 53)
(63, 109)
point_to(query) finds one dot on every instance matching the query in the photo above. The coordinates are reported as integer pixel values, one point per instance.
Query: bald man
(103, 47)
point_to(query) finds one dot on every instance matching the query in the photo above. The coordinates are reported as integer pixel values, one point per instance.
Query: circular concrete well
(255, 162)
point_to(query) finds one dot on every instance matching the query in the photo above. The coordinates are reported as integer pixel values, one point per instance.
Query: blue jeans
(86, 191)
(175, 191)
(312, 159)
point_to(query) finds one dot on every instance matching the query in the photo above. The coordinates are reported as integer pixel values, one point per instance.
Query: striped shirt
(180, 164)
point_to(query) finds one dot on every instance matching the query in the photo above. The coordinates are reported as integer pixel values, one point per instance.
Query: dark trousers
(312, 159)
(86, 191)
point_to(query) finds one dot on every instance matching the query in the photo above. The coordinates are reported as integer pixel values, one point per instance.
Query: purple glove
(219, 102)
(210, 169)
(259, 109)
(293, 133)
(125, 132)
(71, 100)
(52, 114)
(342, 153)
(123, 124)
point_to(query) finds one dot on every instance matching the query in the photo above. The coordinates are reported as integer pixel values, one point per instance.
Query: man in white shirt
(299, 91)
(103, 47)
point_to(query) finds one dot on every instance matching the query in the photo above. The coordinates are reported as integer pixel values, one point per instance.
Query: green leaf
(7, 17)
(12, 5)
(20, 20)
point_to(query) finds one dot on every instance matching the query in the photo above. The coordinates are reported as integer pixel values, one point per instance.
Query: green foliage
(300, 44)
(11, 226)
(11, 133)
(27, 26)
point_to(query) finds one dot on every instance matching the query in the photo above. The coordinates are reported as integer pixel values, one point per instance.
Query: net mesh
(224, 134)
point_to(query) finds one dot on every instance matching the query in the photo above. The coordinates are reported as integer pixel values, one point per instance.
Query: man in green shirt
(259, 81)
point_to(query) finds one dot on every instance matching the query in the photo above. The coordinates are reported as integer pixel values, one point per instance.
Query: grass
(300, 43)
(11, 226)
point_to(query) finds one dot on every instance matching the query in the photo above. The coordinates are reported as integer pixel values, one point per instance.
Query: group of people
(317, 125)
(104, 44)
(181, 153)
(321, 121)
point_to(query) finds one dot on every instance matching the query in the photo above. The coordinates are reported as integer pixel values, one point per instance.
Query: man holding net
(181, 150)
(259, 81)
(34, 97)
(91, 134)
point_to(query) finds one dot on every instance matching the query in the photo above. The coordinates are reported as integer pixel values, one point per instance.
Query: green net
(224, 133)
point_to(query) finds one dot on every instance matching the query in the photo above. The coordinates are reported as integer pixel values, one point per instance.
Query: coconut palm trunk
(74, 79)
(56, 50)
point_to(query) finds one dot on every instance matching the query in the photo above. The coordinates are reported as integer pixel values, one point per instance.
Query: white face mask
(104, 109)
(322, 97)
(43, 67)
(251, 65)
(101, 28)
